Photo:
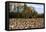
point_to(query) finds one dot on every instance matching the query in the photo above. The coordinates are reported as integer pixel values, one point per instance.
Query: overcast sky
(39, 8)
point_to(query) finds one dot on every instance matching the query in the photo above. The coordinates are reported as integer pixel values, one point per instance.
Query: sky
(38, 7)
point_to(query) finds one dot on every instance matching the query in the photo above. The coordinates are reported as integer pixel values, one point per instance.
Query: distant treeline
(22, 15)
(28, 12)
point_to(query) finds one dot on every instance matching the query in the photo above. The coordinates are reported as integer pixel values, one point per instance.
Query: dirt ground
(26, 23)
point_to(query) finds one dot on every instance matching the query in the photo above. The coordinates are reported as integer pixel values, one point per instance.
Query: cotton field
(20, 23)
